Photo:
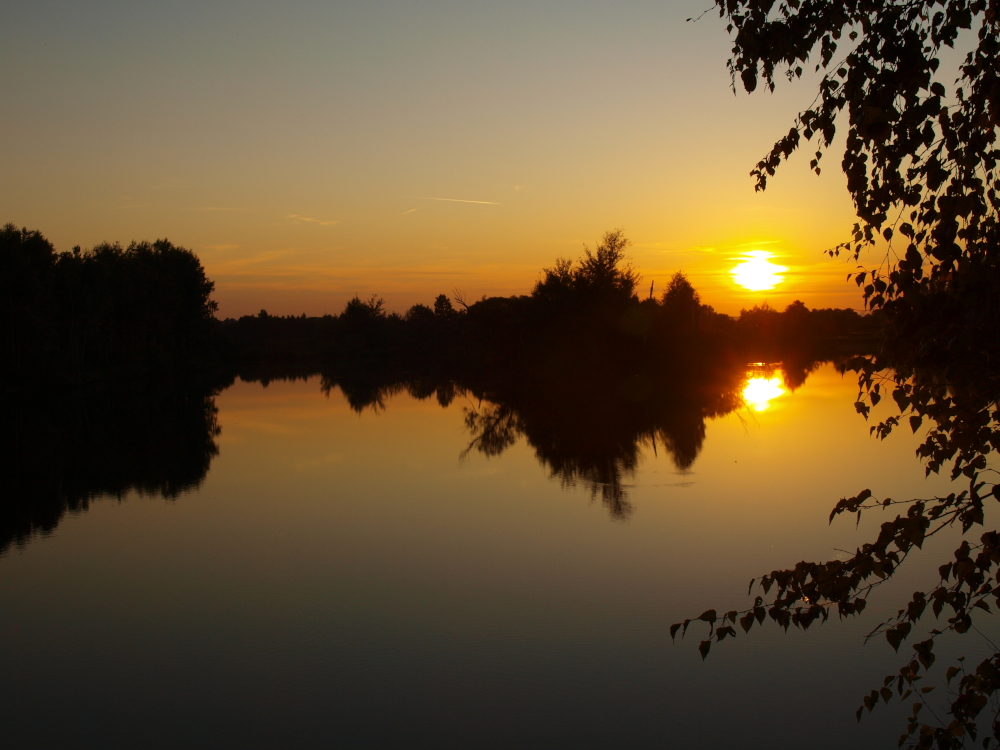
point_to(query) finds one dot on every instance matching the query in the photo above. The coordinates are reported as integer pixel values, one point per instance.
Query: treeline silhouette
(146, 311)
(112, 358)
(577, 313)
(589, 374)
(109, 311)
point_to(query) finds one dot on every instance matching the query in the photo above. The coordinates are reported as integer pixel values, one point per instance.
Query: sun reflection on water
(761, 390)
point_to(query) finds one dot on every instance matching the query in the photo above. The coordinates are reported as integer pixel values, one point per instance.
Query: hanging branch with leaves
(921, 165)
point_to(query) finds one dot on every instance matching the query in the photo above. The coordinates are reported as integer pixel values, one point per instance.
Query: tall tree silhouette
(681, 302)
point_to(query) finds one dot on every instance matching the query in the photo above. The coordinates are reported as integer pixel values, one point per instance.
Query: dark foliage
(106, 312)
(588, 426)
(798, 331)
(580, 315)
(921, 168)
(61, 449)
(110, 362)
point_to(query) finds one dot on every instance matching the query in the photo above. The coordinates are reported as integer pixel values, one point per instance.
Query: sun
(757, 272)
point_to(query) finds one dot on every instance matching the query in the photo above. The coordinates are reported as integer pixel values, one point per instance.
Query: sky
(310, 151)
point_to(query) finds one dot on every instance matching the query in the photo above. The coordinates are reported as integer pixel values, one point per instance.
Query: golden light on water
(760, 391)
(757, 272)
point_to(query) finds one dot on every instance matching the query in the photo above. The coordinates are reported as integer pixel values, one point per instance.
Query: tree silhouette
(681, 301)
(443, 307)
(921, 166)
(599, 276)
(26, 270)
(106, 311)
(367, 310)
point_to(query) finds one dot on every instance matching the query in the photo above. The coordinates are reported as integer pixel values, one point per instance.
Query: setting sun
(757, 272)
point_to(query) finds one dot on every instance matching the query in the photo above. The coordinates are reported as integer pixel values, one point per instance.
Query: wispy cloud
(409, 212)
(241, 264)
(310, 220)
(222, 248)
(462, 200)
(219, 208)
(758, 242)
(135, 205)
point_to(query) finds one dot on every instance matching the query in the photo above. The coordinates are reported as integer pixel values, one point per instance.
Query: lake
(427, 568)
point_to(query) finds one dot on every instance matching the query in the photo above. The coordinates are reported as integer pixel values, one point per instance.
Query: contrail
(460, 200)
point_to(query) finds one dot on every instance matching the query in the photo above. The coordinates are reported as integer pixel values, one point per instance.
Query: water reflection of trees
(60, 451)
(594, 432)
(588, 429)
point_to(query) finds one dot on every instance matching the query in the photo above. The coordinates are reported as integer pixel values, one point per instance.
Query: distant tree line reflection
(61, 450)
(589, 427)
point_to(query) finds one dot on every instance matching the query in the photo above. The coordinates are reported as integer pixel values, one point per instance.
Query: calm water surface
(373, 579)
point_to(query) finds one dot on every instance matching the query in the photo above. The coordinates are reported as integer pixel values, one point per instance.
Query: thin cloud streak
(320, 222)
(239, 264)
(461, 200)
(409, 212)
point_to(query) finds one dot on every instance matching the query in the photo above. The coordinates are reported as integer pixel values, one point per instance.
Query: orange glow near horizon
(405, 160)
(757, 272)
